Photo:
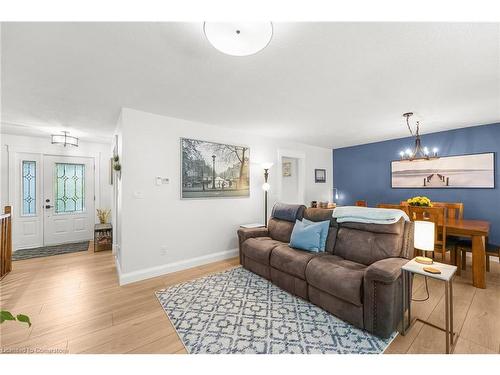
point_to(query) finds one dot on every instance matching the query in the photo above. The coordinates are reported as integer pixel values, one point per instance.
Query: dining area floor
(476, 313)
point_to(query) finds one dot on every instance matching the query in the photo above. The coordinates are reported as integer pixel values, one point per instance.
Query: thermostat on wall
(162, 180)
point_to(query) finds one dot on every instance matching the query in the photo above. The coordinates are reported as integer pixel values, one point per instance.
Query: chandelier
(418, 152)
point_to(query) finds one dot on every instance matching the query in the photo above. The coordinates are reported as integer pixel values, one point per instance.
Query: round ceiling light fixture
(239, 39)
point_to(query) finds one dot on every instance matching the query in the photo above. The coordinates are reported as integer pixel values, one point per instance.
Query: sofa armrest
(246, 233)
(382, 296)
(386, 270)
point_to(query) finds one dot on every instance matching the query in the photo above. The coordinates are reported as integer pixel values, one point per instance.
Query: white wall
(190, 231)
(43, 145)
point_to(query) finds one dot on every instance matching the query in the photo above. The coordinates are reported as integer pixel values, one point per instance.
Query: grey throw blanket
(288, 212)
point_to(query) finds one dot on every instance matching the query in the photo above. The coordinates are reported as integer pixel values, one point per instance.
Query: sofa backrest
(368, 243)
(282, 220)
(323, 214)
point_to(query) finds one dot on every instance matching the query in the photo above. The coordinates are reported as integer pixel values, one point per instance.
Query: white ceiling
(327, 84)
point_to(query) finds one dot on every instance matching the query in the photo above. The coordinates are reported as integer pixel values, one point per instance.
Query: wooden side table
(103, 237)
(447, 274)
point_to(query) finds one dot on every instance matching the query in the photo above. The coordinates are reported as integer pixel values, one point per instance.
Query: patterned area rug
(237, 311)
(48, 251)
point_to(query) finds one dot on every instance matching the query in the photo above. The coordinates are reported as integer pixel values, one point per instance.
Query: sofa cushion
(291, 261)
(368, 243)
(325, 226)
(306, 237)
(280, 230)
(322, 214)
(259, 249)
(337, 276)
(331, 239)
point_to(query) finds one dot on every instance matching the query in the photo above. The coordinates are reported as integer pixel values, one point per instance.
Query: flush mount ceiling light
(239, 39)
(64, 139)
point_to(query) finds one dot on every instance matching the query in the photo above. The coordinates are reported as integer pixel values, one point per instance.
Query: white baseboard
(147, 273)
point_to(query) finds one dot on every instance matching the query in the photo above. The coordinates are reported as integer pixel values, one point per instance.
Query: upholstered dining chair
(437, 215)
(393, 206)
(361, 203)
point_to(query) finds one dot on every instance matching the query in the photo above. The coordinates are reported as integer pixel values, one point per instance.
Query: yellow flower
(419, 201)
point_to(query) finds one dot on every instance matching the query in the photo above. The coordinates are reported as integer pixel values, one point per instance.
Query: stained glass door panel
(28, 187)
(69, 188)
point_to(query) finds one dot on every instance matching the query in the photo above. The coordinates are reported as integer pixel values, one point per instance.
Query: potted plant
(117, 167)
(103, 215)
(7, 315)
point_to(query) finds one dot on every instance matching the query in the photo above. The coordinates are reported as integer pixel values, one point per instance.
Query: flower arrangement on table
(103, 215)
(420, 202)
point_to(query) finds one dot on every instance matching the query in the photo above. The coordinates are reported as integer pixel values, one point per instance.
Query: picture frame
(467, 171)
(320, 176)
(214, 170)
(287, 169)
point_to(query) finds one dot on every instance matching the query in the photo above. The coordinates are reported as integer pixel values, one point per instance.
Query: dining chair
(393, 206)
(361, 203)
(437, 215)
(464, 246)
(454, 210)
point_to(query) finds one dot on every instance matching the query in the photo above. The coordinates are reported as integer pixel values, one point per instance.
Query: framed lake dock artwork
(214, 170)
(463, 171)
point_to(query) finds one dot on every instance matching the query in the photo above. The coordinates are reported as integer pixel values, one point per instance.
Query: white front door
(68, 199)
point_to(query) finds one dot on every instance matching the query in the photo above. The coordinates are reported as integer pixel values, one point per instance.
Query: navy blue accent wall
(364, 172)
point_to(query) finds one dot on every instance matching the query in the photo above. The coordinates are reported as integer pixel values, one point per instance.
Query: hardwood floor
(77, 306)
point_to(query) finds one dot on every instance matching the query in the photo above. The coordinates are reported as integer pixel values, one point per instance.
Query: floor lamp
(266, 187)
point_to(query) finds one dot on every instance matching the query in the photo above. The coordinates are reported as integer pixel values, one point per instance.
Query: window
(29, 187)
(70, 183)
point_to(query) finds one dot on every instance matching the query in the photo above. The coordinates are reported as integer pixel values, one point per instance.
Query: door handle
(48, 206)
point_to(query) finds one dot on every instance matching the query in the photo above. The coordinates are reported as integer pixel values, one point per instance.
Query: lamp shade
(424, 235)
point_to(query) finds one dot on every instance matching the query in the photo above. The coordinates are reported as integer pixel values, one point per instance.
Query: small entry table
(103, 237)
(447, 274)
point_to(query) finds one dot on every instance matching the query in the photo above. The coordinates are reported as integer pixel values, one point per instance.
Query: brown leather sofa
(357, 278)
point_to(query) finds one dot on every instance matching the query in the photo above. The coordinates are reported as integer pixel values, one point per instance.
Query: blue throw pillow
(325, 226)
(305, 237)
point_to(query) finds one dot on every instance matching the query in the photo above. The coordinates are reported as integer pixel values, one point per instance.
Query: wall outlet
(138, 195)
(163, 251)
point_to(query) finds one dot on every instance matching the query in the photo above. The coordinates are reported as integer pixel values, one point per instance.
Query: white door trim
(301, 161)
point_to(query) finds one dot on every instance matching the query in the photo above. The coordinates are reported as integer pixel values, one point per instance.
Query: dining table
(477, 231)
